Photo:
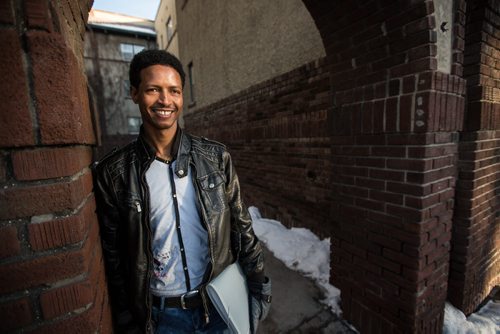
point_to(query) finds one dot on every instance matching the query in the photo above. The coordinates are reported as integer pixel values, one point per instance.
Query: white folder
(229, 295)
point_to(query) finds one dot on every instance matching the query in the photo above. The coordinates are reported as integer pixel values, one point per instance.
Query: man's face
(159, 97)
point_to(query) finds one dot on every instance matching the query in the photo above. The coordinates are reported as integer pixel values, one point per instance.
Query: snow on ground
(484, 321)
(301, 250)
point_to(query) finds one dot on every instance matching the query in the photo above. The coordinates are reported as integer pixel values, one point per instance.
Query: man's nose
(164, 97)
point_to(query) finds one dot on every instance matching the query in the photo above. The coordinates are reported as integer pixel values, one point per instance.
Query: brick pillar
(475, 259)
(394, 128)
(51, 269)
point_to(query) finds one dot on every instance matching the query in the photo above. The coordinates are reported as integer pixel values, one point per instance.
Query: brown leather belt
(188, 300)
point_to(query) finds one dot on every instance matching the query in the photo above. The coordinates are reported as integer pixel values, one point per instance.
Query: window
(134, 124)
(192, 99)
(126, 88)
(170, 29)
(130, 50)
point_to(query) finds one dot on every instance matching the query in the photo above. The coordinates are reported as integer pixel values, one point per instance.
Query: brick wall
(277, 134)
(362, 147)
(475, 259)
(51, 270)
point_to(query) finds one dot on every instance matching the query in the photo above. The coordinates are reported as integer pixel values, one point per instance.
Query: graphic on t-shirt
(161, 264)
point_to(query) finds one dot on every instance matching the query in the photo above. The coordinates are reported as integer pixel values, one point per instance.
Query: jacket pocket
(212, 186)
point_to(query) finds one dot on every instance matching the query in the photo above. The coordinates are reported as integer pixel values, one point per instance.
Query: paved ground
(296, 307)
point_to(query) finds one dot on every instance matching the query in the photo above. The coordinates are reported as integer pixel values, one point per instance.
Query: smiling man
(171, 216)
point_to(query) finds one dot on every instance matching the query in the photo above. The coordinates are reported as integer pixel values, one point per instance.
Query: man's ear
(134, 94)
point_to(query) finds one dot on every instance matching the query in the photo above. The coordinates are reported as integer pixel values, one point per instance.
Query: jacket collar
(180, 150)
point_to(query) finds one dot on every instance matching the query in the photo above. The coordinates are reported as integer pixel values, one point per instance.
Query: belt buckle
(187, 294)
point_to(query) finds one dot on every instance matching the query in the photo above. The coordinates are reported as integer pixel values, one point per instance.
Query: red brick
(16, 127)
(96, 316)
(409, 164)
(17, 202)
(16, 314)
(387, 174)
(37, 14)
(50, 162)
(386, 197)
(410, 215)
(391, 114)
(378, 116)
(414, 67)
(9, 243)
(421, 202)
(3, 169)
(71, 297)
(385, 241)
(367, 115)
(63, 231)
(406, 112)
(64, 117)
(48, 269)
(389, 151)
(405, 260)
(6, 13)
(385, 263)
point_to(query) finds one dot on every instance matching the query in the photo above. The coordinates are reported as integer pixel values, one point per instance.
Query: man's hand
(259, 302)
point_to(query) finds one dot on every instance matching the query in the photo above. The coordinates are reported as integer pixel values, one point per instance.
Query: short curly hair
(147, 58)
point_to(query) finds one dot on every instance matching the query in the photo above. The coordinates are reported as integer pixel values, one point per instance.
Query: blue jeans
(177, 321)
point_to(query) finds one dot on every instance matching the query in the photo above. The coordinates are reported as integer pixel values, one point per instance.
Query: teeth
(163, 113)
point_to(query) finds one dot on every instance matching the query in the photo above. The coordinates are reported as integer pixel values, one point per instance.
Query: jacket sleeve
(250, 250)
(108, 215)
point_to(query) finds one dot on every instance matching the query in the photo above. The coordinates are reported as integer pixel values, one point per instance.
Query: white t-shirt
(168, 277)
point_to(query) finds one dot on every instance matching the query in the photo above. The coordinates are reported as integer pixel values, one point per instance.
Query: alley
(296, 306)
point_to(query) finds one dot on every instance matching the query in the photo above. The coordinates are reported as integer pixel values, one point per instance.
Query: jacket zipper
(149, 255)
(210, 242)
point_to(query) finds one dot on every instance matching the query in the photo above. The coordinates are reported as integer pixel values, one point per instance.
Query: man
(171, 216)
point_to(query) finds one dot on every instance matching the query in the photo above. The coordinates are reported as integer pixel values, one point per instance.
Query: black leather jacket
(122, 198)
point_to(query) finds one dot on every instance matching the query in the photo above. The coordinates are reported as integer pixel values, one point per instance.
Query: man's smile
(163, 112)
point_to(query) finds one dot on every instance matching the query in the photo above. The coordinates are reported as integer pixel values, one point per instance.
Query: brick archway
(393, 153)
(400, 149)
(51, 270)
(363, 146)
(379, 148)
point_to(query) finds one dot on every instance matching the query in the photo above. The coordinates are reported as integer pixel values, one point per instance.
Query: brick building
(376, 144)
(111, 41)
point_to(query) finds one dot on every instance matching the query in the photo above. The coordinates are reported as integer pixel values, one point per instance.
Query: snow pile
(485, 321)
(301, 250)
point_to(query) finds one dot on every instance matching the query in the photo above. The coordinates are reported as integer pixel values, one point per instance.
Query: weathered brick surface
(16, 314)
(9, 243)
(62, 232)
(6, 12)
(375, 170)
(475, 262)
(37, 14)
(75, 296)
(360, 146)
(50, 268)
(3, 169)
(49, 231)
(64, 117)
(50, 162)
(94, 319)
(17, 202)
(16, 127)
